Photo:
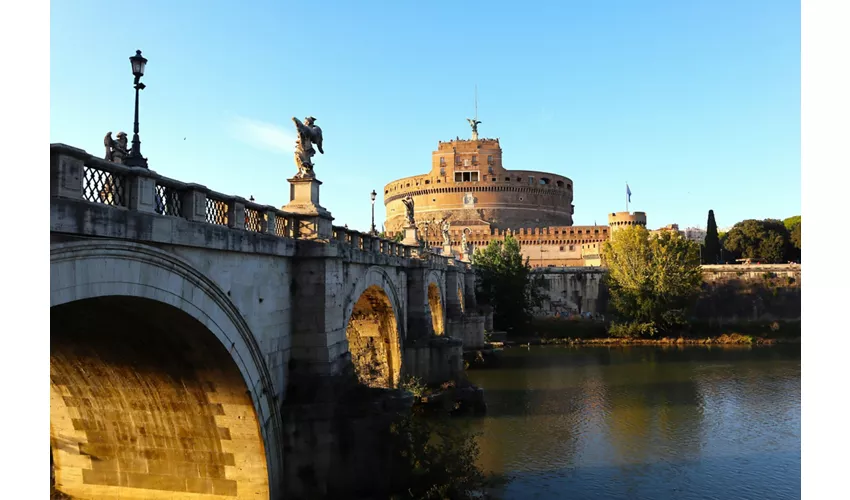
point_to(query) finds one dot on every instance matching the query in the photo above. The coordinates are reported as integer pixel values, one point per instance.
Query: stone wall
(730, 293)
(146, 403)
(468, 328)
(734, 294)
(571, 290)
(434, 360)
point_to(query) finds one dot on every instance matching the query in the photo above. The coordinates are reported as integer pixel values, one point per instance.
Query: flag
(628, 192)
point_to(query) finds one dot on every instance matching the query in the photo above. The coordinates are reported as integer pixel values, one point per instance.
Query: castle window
(560, 184)
(458, 160)
(507, 179)
(494, 179)
(531, 179)
(489, 159)
(427, 182)
(562, 248)
(475, 159)
(544, 181)
(442, 161)
(572, 247)
(466, 176)
(569, 187)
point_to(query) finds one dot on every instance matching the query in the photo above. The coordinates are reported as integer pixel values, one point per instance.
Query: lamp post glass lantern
(373, 195)
(135, 158)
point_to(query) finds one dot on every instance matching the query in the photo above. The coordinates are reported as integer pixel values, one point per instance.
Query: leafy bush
(414, 386)
(632, 330)
(435, 458)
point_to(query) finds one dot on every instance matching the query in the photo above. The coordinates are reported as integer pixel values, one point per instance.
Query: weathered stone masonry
(191, 330)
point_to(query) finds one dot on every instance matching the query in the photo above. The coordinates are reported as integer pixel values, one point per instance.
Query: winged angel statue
(116, 150)
(308, 134)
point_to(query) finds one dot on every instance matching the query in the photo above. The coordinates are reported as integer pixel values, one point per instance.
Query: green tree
(505, 282)
(797, 236)
(790, 222)
(766, 240)
(794, 226)
(711, 253)
(652, 278)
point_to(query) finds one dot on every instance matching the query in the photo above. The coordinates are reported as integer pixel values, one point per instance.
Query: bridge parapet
(78, 175)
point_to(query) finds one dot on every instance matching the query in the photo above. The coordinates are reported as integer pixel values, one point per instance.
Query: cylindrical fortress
(469, 185)
(620, 220)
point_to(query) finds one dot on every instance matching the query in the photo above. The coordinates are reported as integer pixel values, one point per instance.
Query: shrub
(632, 330)
(435, 458)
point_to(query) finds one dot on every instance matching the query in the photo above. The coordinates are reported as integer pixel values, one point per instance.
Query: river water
(671, 422)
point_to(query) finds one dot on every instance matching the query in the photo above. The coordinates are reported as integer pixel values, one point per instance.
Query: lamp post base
(136, 161)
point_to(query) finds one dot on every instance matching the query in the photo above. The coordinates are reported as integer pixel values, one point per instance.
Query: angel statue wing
(317, 138)
(108, 142)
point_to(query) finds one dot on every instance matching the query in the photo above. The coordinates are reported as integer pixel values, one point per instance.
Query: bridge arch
(435, 292)
(158, 385)
(374, 329)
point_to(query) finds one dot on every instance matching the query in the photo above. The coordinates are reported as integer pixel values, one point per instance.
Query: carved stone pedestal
(411, 236)
(314, 221)
(447, 251)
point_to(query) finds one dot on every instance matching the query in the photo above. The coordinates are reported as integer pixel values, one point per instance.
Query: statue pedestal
(447, 251)
(411, 236)
(314, 221)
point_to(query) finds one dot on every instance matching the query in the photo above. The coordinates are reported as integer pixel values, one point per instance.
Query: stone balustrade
(77, 174)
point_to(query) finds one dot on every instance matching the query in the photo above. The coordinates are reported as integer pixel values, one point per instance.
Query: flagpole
(627, 197)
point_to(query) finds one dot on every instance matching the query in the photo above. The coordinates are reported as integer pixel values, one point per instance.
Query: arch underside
(147, 403)
(435, 305)
(373, 339)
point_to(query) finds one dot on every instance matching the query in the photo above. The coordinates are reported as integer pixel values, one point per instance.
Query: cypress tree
(711, 254)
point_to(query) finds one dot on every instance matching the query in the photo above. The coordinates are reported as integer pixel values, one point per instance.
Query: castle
(482, 200)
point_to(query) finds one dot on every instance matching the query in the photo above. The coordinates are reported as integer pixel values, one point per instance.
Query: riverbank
(580, 332)
(733, 339)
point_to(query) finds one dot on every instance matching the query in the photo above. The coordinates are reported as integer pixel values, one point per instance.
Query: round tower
(620, 220)
(469, 185)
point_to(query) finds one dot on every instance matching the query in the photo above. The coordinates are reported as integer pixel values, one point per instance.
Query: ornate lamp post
(374, 195)
(135, 158)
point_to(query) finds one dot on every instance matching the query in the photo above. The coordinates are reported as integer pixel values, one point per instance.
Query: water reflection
(644, 422)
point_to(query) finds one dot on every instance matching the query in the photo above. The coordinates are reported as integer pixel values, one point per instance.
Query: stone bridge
(197, 338)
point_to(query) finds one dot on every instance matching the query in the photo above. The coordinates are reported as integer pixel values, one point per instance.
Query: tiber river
(643, 422)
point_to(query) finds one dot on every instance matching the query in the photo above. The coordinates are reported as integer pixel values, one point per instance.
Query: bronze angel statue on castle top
(308, 134)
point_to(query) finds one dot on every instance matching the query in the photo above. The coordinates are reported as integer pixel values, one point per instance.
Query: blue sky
(694, 103)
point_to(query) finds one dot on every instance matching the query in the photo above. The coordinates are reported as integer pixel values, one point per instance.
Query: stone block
(66, 171)
(141, 184)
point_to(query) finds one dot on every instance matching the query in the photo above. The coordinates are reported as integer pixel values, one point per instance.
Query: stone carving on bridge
(308, 134)
(445, 226)
(410, 220)
(464, 245)
(116, 149)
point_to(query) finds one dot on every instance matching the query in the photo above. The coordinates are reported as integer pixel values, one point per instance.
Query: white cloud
(263, 135)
